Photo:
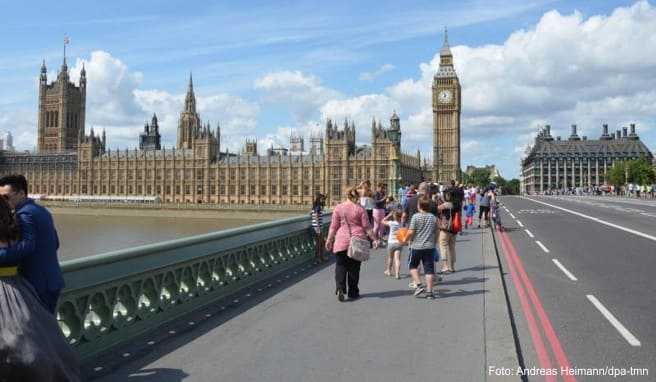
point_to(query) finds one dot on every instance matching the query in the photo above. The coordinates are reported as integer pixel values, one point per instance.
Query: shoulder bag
(359, 249)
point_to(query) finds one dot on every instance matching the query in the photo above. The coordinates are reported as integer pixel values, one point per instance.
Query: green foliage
(638, 171)
(480, 177)
(512, 187)
(616, 175)
(641, 172)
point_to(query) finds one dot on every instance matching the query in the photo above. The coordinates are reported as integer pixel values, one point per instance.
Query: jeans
(347, 269)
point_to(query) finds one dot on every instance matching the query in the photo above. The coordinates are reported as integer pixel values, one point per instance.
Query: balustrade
(113, 297)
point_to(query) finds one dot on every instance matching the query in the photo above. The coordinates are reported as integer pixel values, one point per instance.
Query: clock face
(444, 96)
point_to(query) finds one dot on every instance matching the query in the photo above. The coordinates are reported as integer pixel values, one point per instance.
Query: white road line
(529, 233)
(512, 216)
(520, 224)
(629, 230)
(565, 271)
(630, 338)
(542, 246)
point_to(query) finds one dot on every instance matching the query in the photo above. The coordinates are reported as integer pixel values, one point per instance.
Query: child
(422, 235)
(394, 247)
(470, 210)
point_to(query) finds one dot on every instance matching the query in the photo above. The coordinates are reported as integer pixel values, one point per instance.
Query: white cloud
(116, 103)
(360, 110)
(301, 94)
(566, 69)
(370, 76)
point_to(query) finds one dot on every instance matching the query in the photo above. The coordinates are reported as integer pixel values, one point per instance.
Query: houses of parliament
(70, 161)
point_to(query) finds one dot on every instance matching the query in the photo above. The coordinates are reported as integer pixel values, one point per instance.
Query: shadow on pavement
(388, 294)
(464, 280)
(169, 337)
(446, 293)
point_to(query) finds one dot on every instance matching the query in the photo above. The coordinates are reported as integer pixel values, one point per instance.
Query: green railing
(113, 297)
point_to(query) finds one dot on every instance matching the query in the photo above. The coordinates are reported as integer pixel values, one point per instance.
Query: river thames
(86, 234)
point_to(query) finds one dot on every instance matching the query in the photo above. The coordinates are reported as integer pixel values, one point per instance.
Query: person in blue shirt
(470, 210)
(35, 254)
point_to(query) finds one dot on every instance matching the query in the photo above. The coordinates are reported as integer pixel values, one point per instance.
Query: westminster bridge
(252, 303)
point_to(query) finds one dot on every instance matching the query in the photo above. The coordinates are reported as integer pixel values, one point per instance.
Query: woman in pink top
(348, 214)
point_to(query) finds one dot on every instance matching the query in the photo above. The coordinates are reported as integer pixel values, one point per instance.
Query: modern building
(69, 162)
(446, 118)
(558, 164)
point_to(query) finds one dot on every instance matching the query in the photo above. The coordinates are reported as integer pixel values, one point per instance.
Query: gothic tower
(446, 118)
(61, 110)
(151, 139)
(189, 125)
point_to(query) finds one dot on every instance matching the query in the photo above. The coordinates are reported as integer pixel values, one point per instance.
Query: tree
(512, 187)
(641, 172)
(480, 177)
(617, 174)
(638, 171)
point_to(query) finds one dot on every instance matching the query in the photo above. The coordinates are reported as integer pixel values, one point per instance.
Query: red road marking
(538, 343)
(512, 257)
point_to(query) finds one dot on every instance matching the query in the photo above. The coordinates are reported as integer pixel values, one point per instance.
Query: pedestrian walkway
(302, 333)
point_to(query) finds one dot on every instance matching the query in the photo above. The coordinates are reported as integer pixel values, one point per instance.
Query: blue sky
(263, 69)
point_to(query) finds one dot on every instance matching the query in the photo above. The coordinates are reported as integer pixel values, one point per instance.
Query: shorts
(391, 247)
(425, 257)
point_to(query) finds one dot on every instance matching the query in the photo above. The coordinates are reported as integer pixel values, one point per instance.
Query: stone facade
(197, 171)
(555, 164)
(446, 118)
(61, 111)
(151, 139)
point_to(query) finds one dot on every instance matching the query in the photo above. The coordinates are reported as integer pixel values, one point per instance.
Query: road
(583, 291)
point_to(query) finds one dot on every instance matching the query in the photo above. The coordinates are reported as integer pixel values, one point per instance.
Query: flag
(66, 40)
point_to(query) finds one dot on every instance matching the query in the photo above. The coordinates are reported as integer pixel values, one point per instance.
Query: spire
(190, 99)
(153, 122)
(64, 67)
(445, 51)
(83, 72)
(44, 73)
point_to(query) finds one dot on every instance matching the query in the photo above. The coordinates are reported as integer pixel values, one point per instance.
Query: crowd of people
(32, 347)
(630, 190)
(421, 220)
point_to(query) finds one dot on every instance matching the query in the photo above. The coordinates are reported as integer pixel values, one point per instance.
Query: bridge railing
(113, 297)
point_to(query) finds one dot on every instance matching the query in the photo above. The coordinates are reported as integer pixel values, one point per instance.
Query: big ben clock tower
(446, 118)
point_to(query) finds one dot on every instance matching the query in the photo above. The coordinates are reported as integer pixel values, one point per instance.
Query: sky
(265, 69)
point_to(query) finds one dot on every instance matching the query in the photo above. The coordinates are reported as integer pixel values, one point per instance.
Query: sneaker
(340, 295)
(431, 295)
(412, 285)
(419, 290)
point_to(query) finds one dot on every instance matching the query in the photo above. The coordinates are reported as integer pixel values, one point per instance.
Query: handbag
(359, 249)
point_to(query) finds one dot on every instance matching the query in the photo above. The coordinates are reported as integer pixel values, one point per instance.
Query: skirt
(32, 347)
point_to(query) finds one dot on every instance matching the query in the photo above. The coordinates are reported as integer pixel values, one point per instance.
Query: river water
(86, 235)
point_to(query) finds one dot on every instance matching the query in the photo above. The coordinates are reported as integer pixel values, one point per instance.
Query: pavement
(294, 329)
(581, 285)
